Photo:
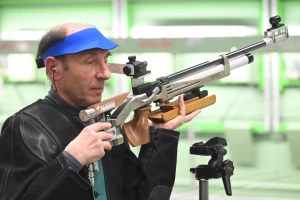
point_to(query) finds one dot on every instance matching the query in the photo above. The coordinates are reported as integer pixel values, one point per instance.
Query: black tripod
(216, 167)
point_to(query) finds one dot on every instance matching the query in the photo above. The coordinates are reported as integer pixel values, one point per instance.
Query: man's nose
(103, 72)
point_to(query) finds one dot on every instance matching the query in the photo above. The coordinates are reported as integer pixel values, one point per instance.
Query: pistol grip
(137, 130)
(168, 113)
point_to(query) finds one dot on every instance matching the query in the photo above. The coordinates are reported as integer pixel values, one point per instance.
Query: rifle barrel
(195, 69)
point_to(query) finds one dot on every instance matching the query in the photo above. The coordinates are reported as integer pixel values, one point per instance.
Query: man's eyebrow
(95, 54)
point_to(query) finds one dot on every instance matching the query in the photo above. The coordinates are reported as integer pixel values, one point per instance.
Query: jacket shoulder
(43, 128)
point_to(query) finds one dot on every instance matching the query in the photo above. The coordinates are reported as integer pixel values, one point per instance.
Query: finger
(98, 126)
(105, 136)
(191, 116)
(106, 145)
(150, 123)
(181, 106)
(180, 120)
(174, 123)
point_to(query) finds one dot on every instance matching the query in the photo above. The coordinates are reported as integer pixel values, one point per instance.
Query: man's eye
(91, 62)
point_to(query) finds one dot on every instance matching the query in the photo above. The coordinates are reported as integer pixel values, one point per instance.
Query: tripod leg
(203, 189)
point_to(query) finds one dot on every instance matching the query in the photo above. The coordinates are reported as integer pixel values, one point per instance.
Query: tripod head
(216, 167)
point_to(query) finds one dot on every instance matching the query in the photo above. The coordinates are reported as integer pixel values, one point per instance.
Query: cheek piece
(86, 39)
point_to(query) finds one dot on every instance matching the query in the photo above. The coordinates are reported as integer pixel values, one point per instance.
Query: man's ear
(51, 64)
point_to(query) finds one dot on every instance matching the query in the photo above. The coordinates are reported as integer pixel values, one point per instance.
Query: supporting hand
(179, 120)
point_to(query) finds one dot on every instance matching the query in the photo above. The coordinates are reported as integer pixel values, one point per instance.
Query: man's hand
(90, 144)
(179, 120)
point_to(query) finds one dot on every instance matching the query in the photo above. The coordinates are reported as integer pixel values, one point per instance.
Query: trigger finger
(105, 136)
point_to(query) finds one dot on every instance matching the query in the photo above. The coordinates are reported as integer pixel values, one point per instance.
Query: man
(45, 148)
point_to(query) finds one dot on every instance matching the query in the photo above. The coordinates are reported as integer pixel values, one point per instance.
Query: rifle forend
(187, 81)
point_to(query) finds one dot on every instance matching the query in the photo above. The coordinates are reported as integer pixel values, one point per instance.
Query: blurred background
(257, 108)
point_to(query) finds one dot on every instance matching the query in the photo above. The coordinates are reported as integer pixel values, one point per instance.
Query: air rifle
(187, 82)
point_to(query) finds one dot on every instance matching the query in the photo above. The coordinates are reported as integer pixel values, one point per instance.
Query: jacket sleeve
(32, 166)
(158, 164)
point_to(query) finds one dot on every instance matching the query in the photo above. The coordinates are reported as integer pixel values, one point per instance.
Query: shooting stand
(216, 167)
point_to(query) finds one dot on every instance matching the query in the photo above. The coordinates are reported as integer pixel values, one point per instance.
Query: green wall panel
(44, 18)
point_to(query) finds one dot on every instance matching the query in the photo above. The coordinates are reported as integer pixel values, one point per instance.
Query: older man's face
(82, 84)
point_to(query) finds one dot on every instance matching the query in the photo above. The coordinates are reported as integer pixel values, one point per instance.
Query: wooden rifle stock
(170, 111)
(137, 130)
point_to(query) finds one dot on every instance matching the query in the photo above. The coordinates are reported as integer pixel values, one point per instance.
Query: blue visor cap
(90, 38)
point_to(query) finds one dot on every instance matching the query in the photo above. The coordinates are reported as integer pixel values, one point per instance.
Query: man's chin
(94, 101)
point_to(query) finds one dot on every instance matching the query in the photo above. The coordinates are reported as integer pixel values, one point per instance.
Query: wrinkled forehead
(86, 39)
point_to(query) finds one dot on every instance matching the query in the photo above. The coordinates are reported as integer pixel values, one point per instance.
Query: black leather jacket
(32, 166)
